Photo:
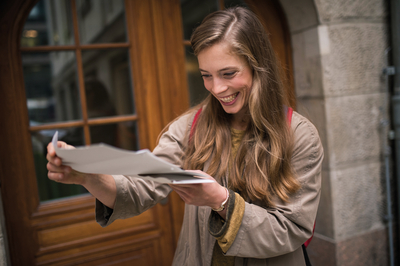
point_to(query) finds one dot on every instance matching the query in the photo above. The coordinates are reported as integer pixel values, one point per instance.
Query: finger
(50, 149)
(182, 191)
(198, 171)
(61, 144)
(203, 175)
(55, 176)
(59, 168)
(185, 185)
(51, 153)
(54, 159)
(64, 145)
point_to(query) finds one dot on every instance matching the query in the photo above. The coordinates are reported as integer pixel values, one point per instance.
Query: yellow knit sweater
(223, 243)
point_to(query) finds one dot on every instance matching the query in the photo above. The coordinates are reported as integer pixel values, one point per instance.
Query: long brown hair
(262, 167)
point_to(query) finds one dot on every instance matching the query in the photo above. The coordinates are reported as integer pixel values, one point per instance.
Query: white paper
(106, 159)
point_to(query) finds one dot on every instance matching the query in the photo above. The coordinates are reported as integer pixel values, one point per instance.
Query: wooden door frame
(16, 147)
(162, 102)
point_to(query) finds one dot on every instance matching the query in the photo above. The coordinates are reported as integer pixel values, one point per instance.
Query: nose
(219, 86)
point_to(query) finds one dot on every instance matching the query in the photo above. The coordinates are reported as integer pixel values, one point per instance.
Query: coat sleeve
(135, 195)
(270, 232)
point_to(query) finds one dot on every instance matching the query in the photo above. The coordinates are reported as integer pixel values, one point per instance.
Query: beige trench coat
(267, 236)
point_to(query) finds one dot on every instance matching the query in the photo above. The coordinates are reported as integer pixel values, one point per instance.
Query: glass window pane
(233, 3)
(49, 23)
(193, 12)
(123, 135)
(197, 91)
(48, 189)
(107, 82)
(51, 87)
(101, 21)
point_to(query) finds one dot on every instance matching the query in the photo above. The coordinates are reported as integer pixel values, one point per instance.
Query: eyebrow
(223, 69)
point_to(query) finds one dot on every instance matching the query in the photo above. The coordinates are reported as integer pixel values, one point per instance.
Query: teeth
(229, 98)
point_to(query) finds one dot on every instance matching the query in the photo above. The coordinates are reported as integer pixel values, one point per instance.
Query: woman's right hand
(102, 187)
(59, 172)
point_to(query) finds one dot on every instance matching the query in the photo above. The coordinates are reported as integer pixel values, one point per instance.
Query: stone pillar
(4, 257)
(339, 53)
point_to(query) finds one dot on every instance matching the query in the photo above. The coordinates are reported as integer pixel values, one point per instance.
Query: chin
(230, 111)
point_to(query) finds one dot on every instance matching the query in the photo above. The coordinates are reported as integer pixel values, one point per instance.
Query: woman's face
(227, 76)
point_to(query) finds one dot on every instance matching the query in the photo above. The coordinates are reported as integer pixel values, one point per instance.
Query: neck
(239, 121)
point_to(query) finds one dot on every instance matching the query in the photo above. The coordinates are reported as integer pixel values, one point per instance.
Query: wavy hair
(262, 167)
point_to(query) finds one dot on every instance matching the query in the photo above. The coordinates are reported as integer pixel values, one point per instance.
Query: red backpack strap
(309, 240)
(289, 113)
(192, 128)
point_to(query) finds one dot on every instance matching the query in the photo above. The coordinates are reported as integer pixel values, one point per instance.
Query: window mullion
(81, 78)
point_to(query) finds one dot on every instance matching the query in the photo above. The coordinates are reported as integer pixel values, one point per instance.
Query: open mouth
(229, 98)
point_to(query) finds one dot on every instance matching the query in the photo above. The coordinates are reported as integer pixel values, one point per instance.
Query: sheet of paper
(106, 159)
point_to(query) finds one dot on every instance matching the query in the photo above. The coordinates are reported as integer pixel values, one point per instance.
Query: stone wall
(339, 52)
(4, 257)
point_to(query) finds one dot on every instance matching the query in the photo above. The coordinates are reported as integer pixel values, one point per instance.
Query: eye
(229, 74)
(205, 76)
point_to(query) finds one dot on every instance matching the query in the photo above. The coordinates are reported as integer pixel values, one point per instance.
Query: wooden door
(63, 231)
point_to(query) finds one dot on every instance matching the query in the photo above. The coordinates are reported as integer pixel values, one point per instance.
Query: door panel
(71, 235)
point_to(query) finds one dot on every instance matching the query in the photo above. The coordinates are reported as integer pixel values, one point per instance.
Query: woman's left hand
(203, 194)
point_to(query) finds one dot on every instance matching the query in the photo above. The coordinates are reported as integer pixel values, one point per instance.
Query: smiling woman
(228, 78)
(263, 166)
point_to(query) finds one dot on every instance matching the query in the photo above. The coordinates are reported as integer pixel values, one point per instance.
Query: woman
(263, 206)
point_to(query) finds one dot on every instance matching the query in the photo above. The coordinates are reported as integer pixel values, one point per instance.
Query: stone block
(322, 251)
(357, 56)
(358, 199)
(324, 222)
(308, 46)
(354, 10)
(354, 130)
(369, 249)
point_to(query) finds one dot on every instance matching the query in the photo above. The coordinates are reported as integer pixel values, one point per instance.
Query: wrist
(223, 204)
(84, 179)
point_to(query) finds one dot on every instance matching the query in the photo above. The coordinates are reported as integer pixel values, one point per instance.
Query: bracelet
(223, 203)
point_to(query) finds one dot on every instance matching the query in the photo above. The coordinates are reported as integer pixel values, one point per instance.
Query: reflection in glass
(51, 87)
(123, 135)
(193, 12)
(101, 21)
(48, 23)
(48, 189)
(108, 82)
(197, 91)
